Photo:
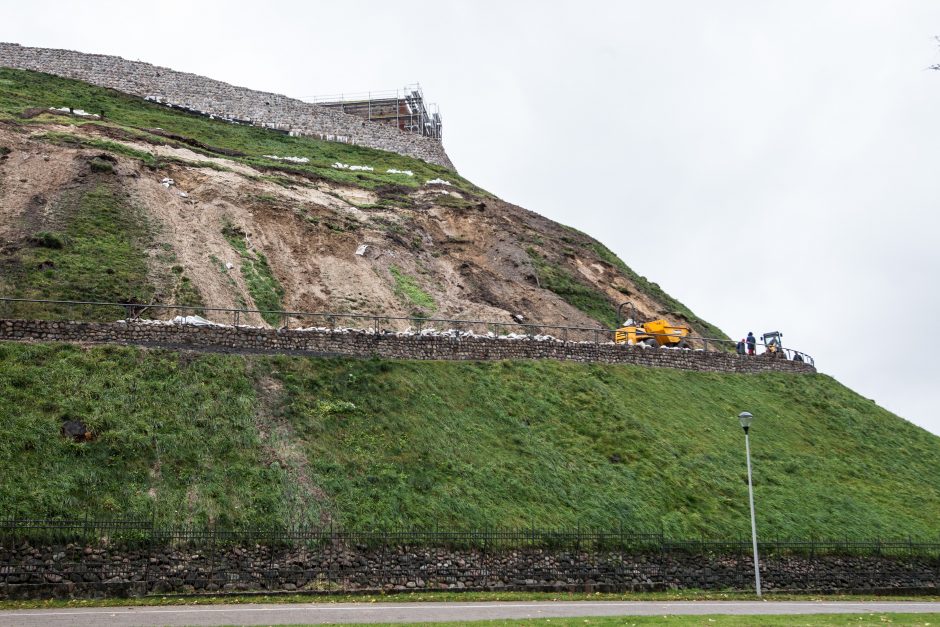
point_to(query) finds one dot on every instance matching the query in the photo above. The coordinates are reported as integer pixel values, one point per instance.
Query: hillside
(85, 214)
(151, 204)
(269, 441)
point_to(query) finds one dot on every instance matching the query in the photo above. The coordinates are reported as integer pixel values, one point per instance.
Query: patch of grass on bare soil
(93, 249)
(407, 287)
(263, 287)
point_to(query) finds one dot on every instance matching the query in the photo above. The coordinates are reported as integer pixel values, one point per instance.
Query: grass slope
(183, 438)
(94, 252)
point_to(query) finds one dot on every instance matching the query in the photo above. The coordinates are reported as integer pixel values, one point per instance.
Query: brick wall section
(364, 344)
(88, 570)
(220, 99)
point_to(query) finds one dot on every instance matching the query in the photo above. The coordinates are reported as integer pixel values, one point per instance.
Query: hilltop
(152, 204)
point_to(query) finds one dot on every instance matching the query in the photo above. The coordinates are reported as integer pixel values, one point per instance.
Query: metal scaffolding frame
(403, 108)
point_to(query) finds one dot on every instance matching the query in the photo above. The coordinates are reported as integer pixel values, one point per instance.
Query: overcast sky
(770, 164)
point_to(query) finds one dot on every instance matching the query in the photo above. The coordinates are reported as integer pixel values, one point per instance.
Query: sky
(770, 164)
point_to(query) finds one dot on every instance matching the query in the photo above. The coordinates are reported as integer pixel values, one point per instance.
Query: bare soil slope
(226, 228)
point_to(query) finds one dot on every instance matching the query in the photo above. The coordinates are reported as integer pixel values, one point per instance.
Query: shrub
(45, 239)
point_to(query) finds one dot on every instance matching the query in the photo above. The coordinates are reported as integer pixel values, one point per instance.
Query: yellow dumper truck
(653, 333)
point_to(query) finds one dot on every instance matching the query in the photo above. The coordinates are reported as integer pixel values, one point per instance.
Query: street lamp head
(745, 418)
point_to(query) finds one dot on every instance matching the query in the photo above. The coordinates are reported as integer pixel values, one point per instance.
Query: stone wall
(213, 97)
(88, 570)
(391, 346)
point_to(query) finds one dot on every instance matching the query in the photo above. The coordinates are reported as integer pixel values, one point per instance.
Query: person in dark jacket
(740, 348)
(751, 343)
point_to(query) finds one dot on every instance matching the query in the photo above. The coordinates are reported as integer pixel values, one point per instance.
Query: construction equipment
(653, 333)
(773, 342)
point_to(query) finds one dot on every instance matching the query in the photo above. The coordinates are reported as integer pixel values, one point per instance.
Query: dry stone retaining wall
(212, 97)
(390, 346)
(89, 570)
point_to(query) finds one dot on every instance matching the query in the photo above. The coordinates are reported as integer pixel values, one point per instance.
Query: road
(319, 613)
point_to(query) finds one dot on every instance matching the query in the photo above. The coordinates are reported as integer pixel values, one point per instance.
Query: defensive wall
(391, 346)
(222, 100)
(105, 569)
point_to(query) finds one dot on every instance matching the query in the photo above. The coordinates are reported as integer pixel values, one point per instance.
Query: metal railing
(330, 321)
(147, 531)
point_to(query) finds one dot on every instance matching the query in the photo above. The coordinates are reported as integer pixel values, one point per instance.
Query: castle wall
(220, 99)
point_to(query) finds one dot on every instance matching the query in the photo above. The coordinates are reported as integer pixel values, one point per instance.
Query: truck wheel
(652, 342)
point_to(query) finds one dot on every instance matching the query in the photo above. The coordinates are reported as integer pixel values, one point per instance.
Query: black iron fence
(27, 308)
(146, 532)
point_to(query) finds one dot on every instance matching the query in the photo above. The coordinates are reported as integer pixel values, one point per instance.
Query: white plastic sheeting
(355, 168)
(79, 112)
(291, 159)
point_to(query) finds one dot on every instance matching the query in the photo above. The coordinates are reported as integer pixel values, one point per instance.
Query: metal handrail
(559, 332)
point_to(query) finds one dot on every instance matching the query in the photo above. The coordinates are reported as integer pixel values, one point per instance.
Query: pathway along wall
(367, 344)
(212, 97)
(106, 570)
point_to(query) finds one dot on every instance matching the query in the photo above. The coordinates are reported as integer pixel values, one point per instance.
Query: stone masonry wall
(390, 346)
(220, 99)
(89, 570)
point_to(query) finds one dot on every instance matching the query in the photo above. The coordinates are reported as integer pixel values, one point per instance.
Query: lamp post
(745, 418)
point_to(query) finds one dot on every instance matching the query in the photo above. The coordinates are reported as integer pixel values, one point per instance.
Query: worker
(751, 343)
(740, 347)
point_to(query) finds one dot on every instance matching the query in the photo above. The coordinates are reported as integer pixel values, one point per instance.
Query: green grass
(407, 287)
(92, 249)
(465, 445)
(263, 286)
(21, 90)
(185, 293)
(71, 140)
(862, 617)
(573, 291)
(175, 438)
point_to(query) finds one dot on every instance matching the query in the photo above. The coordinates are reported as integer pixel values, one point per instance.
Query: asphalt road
(319, 613)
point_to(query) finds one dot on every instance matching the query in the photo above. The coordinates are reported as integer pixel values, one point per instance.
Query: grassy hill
(269, 441)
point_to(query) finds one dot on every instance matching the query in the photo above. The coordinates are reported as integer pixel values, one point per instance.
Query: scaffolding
(402, 108)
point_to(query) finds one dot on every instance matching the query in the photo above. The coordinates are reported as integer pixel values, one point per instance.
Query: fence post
(212, 537)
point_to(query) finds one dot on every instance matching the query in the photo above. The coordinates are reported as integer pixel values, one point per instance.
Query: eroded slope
(336, 228)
